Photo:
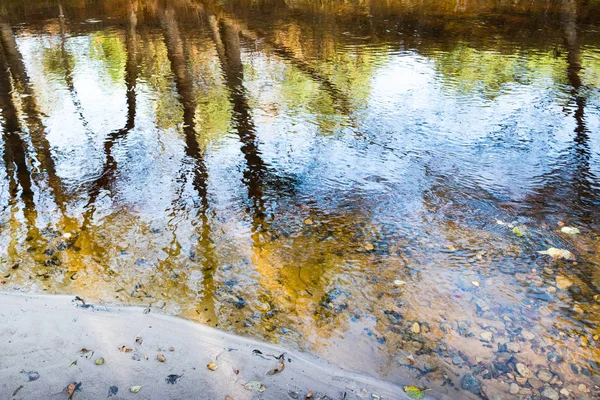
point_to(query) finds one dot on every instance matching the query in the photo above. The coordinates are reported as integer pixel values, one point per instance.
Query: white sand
(45, 334)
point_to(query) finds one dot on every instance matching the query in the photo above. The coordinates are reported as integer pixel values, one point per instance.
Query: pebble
(524, 371)
(544, 375)
(582, 388)
(512, 347)
(554, 357)
(415, 328)
(487, 336)
(482, 304)
(563, 282)
(549, 393)
(514, 388)
(565, 392)
(471, 384)
(525, 392)
(457, 360)
(535, 382)
(528, 335)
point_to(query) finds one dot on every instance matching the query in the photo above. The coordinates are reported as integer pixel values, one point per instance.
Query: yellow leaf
(558, 253)
(212, 366)
(135, 389)
(414, 392)
(569, 230)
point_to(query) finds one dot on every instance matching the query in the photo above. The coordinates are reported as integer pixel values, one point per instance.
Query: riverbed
(407, 189)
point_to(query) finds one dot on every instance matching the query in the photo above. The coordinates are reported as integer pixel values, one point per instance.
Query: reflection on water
(342, 177)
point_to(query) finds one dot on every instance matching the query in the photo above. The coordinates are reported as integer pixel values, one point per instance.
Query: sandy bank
(44, 335)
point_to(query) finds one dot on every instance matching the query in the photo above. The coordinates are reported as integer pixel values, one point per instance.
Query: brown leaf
(71, 389)
(161, 358)
(228, 398)
(125, 349)
(139, 340)
(277, 370)
(212, 366)
(236, 371)
(309, 395)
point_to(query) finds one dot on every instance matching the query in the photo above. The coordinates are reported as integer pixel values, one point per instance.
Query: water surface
(368, 180)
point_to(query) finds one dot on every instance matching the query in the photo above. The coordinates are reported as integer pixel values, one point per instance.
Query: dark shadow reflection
(35, 125)
(227, 42)
(340, 100)
(107, 175)
(176, 52)
(69, 69)
(15, 150)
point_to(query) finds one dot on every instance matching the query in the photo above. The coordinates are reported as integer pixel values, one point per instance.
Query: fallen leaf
(71, 389)
(139, 340)
(308, 221)
(414, 392)
(135, 389)
(172, 379)
(99, 361)
(17, 390)
(112, 391)
(84, 350)
(558, 253)
(73, 363)
(161, 358)
(369, 247)
(212, 366)
(569, 230)
(518, 231)
(256, 386)
(236, 371)
(500, 222)
(280, 367)
(309, 395)
(475, 283)
(228, 398)
(125, 349)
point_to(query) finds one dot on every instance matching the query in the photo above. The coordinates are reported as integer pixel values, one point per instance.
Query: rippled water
(368, 180)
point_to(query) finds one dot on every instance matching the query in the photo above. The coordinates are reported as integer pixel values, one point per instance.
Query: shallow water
(371, 181)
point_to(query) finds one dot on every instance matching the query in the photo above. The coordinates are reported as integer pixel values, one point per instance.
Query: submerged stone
(471, 384)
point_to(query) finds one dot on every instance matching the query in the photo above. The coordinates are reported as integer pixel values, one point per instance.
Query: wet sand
(44, 336)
